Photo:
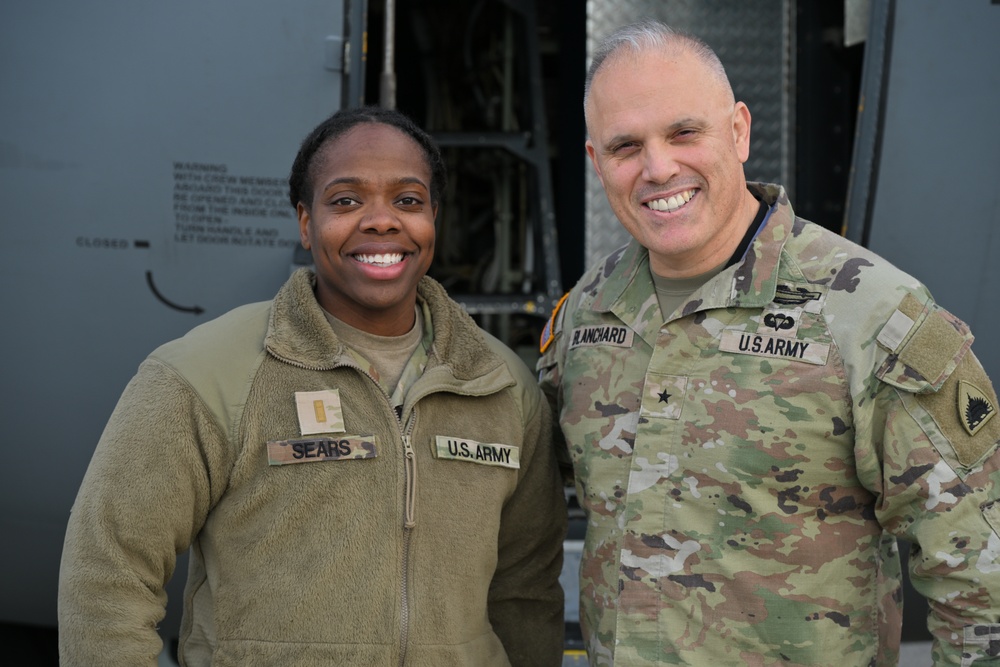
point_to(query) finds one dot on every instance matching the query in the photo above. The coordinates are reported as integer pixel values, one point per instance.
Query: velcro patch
(605, 334)
(311, 450)
(936, 347)
(962, 409)
(895, 330)
(774, 347)
(549, 331)
(319, 412)
(463, 449)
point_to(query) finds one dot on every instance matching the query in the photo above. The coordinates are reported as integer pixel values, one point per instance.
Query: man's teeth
(673, 203)
(387, 259)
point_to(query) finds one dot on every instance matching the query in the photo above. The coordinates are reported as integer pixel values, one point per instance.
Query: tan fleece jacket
(310, 563)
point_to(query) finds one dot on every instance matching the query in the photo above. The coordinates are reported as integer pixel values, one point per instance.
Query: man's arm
(937, 437)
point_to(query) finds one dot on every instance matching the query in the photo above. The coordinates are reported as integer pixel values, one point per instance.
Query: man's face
(370, 227)
(668, 145)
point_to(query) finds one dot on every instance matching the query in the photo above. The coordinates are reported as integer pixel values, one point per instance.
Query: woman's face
(370, 227)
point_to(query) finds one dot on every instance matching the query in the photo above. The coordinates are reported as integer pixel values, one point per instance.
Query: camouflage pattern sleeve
(932, 421)
(548, 368)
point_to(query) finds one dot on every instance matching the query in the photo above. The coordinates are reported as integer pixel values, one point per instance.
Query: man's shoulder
(603, 274)
(855, 281)
(825, 256)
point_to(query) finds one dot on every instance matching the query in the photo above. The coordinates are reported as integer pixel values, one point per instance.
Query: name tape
(774, 347)
(607, 334)
(460, 449)
(311, 450)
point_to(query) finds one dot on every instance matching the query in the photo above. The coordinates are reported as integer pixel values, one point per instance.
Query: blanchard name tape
(311, 450)
(775, 347)
(461, 449)
(607, 334)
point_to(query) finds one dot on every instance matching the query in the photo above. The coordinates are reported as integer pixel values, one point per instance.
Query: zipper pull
(410, 475)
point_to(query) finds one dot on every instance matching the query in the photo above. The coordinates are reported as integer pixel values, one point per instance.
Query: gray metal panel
(755, 43)
(936, 211)
(109, 108)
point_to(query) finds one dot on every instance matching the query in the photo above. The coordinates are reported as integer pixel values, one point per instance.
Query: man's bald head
(649, 35)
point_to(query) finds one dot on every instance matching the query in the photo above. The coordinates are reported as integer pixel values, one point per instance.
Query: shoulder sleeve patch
(964, 410)
(550, 330)
(937, 346)
(926, 347)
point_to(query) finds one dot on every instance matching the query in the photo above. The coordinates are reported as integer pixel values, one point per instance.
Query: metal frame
(539, 292)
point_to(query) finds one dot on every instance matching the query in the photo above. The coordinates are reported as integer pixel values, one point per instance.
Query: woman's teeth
(387, 259)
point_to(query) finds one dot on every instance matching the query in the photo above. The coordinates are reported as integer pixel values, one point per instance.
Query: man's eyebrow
(680, 124)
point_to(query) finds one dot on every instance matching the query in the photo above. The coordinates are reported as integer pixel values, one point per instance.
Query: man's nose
(659, 164)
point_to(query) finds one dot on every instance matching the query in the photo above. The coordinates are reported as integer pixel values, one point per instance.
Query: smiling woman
(370, 226)
(290, 433)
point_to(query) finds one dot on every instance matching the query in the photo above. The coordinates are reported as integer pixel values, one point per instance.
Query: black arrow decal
(197, 310)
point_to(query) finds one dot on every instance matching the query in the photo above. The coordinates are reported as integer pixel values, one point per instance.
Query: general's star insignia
(664, 396)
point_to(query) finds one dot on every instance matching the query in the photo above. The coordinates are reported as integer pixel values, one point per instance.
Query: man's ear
(592, 152)
(741, 130)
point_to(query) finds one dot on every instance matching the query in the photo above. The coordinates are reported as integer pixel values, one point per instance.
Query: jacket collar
(299, 333)
(628, 288)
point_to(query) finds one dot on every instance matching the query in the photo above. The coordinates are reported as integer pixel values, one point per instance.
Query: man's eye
(625, 147)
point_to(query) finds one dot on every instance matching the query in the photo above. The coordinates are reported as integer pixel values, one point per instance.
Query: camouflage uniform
(747, 465)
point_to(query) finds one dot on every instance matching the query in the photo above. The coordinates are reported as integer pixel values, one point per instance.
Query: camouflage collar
(751, 283)
(755, 279)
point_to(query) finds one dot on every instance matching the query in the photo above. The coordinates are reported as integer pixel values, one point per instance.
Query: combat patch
(462, 449)
(774, 347)
(548, 332)
(605, 334)
(311, 450)
(319, 412)
(787, 295)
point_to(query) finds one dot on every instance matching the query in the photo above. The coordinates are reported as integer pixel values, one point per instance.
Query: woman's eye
(343, 201)
(409, 201)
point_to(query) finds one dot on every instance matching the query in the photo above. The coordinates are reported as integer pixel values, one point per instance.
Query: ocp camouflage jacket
(311, 564)
(746, 465)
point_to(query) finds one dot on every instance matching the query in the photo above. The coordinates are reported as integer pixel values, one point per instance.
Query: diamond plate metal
(754, 42)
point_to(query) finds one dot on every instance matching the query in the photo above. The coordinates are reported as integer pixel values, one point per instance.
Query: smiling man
(756, 408)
